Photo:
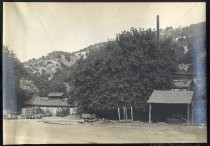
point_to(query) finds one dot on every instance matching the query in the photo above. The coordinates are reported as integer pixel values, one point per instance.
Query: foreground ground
(38, 132)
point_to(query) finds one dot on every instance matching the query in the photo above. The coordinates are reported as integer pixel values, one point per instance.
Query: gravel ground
(35, 131)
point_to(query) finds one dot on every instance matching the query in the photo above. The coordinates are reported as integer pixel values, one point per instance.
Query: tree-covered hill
(57, 61)
(56, 67)
(49, 72)
(185, 37)
(110, 74)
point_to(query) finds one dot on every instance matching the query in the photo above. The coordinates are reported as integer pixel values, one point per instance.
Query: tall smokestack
(157, 27)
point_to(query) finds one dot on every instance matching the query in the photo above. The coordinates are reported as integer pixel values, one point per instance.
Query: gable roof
(56, 94)
(184, 83)
(48, 102)
(171, 97)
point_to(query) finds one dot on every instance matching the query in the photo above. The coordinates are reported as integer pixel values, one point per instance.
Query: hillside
(130, 68)
(184, 38)
(49, 73)
(57, 61)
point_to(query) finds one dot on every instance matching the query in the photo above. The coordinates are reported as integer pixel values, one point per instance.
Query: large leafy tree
(13, 71)
(124, 72)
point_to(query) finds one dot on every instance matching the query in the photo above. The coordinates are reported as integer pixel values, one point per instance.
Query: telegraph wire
(186, 13)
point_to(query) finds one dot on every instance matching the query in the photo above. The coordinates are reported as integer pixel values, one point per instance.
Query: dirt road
(36, 132)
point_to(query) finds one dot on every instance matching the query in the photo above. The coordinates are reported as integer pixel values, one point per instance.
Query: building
(166, 105)
(175, 103)
(53, 103)
(180, 101)
(182, 85)
(199, 103)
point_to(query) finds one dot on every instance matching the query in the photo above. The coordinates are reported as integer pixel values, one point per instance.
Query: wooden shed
(53, 102)
(170, 101)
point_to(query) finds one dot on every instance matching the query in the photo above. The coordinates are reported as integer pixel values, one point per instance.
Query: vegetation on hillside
(111, 74)
(185, 37)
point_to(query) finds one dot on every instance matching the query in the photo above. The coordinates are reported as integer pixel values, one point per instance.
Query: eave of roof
(56, 94)
(171, 97)
(37, 101)
(182, 83)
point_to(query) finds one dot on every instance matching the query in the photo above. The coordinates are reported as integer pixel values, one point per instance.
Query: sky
(34, 29)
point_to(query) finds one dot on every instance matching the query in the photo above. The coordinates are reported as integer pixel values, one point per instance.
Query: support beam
(33, 109)
(150, 108)
(188, 114)
(126, 113)
(192, 115)
(131, 113)
(119, 113)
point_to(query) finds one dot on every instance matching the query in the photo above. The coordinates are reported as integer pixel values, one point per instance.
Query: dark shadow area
(165, 112)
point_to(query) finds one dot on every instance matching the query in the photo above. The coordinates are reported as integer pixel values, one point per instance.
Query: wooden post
(188, 114)
(192, 115)
(124, 112)
(131, 113)
(33, 110)
(150, 108)
(119, 113)
(126, 115)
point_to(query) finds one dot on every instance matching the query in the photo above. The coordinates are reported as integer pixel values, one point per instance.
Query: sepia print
(104, 73)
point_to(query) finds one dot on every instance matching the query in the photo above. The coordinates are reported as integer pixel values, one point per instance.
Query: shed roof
(171, 97)
(184, 83)
(56, 94)
(48, 102)
(184, 73)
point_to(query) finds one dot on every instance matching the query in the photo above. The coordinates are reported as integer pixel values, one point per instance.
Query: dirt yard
(37, 132)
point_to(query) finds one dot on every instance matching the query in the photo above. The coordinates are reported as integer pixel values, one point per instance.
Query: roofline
(57, 93)
(168, 103)
(48, 105)
(179, 73)
(61, 94)
(170, 91)
(182, 80)
(152, 102)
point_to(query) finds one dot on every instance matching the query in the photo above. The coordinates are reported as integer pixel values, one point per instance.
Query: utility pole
(158, 27)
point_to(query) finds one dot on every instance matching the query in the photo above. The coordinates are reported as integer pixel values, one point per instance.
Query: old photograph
(112, 72)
